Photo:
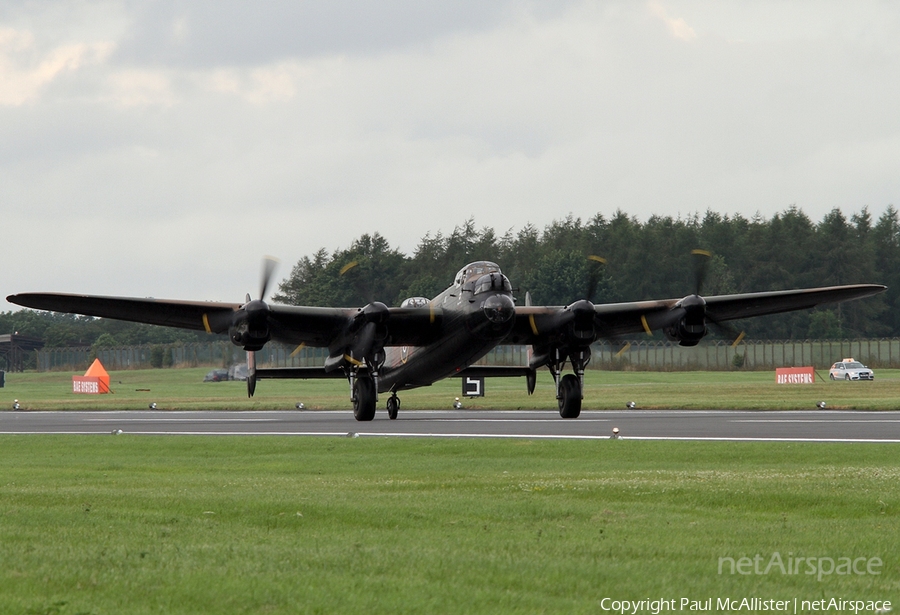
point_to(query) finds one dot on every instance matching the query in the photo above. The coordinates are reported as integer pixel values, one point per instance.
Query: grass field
(131, 524)
(141, 524)
(180, 389)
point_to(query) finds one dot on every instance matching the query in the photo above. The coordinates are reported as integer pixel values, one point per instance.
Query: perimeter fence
(638, 355)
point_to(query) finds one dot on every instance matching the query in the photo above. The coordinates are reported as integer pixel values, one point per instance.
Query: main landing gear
(569, 388)
(364, 396)
(568, 394)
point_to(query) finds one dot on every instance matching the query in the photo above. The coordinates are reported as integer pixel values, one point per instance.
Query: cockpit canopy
(414, 302)
(492, 281)
(476, 269)
(482, 276)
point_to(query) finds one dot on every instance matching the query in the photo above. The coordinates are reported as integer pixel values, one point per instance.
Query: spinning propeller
(247, 326)
(254, 330)
(580, 314)
(367, 327)
(701, 260)
(595, 268)
(582, 311)
(686, 322)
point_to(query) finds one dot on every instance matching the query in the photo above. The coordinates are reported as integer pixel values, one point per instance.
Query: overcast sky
(162, 148)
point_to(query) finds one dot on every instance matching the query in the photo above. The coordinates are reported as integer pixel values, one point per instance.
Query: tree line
(644, 260)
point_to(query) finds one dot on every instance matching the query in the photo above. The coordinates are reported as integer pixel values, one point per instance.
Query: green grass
(131, 524)
(183, 389)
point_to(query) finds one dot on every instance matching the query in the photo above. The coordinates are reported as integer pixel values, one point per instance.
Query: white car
(850, 369)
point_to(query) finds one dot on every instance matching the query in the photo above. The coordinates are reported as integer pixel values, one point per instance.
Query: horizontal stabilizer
(494, 371)
(301, 373)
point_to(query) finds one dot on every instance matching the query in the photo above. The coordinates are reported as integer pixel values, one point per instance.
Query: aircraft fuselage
(477, 314)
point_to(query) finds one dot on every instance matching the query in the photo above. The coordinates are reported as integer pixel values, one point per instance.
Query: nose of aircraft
(499, 308)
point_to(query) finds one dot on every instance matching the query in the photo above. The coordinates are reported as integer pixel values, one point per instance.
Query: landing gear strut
(393, 405)
(569, 388)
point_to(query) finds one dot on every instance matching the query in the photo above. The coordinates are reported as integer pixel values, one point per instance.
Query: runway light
(615, 434)
(116, 432)
(153, 405)
(820, 405)
(352, 434)
(630, 405)
(16, 405)
(457, 405)
(300, 405)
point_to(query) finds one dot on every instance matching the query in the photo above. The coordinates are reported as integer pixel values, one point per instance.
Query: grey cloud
(208, 33)
(223, 131)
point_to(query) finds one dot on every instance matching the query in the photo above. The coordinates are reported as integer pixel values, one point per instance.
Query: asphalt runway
(818, 426)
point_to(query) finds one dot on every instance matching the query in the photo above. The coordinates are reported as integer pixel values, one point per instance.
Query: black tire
(393, 406)
(847, 377)
(364, 400)
(569, 397)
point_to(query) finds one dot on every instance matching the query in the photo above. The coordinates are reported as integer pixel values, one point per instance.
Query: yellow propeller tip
(597, 259)
(348, 267)
(701, 252)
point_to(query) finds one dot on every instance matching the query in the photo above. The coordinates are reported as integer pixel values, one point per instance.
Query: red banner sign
(90, 384)
(795, 375)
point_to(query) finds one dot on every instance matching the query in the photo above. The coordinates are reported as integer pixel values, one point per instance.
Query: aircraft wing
(313, 326)
(319, 326)
(543, 324)
(181, 314)
(732, 307)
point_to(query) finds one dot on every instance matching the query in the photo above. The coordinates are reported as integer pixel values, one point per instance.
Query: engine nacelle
(250, 326)
(688, 321)
(247, 338)
(685, 334)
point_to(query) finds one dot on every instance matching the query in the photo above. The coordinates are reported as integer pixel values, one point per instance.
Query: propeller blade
(701, 266)
(251, 373)
(348, 267)
(270, 263)
(358, 279)
(364, 342)
(727, 331)
(595, 264)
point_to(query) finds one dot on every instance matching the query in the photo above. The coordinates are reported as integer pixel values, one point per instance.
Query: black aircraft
(385, 350)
